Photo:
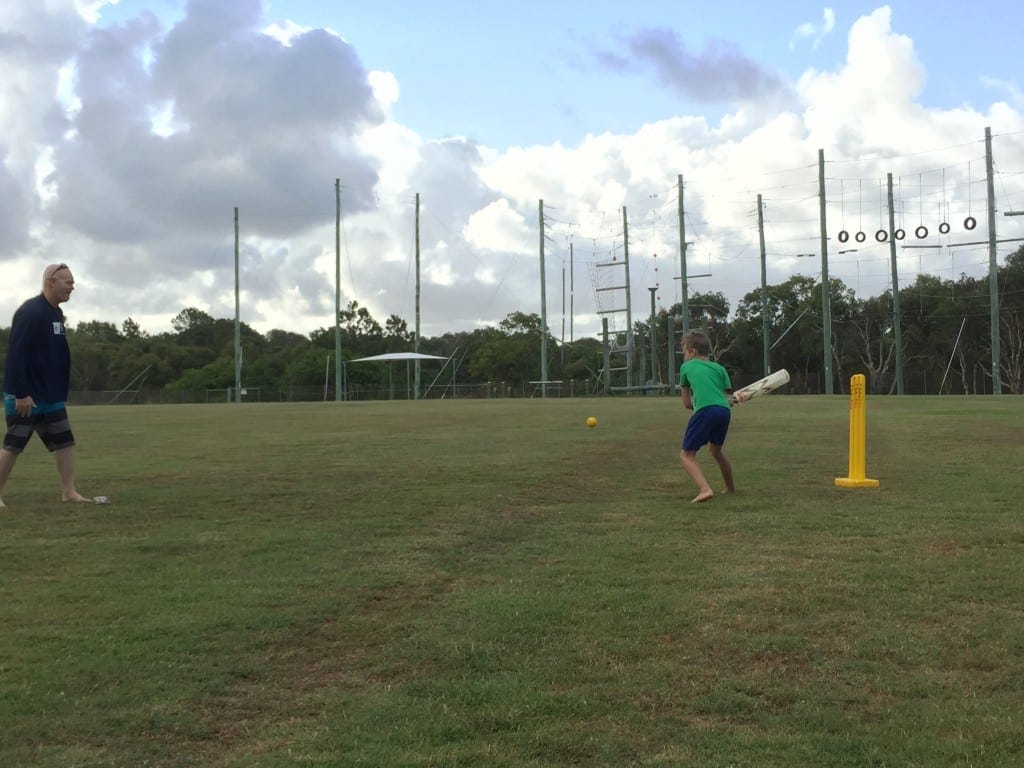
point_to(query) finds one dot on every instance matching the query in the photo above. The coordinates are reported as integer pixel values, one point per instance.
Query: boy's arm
(728, 390)
(687, 395)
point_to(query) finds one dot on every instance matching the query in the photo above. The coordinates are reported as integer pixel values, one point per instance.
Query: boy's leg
(7, 459)
(718, 454)
(65, 459)
(689, 462)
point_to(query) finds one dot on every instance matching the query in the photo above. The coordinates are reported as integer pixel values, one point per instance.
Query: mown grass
(490, 583)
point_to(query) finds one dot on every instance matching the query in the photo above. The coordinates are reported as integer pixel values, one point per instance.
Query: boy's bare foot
(702, 496)
(77, 497)
(2, 503)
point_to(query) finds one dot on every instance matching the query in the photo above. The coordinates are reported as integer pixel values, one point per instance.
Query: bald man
(37, 374)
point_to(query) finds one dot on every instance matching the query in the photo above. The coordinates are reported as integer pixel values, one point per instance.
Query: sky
(131, 131)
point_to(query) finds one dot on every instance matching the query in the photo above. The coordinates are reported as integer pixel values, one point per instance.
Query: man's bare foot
(702, 496)
(76, 497)
(2, 503)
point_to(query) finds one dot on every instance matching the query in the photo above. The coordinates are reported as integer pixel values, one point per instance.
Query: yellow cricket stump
(856, 477)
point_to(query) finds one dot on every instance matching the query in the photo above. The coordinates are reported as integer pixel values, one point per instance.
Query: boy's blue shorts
(708, 425)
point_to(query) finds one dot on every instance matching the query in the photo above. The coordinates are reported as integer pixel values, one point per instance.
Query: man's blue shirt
(38, 359)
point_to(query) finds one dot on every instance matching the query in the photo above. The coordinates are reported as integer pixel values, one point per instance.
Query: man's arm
(16, 380)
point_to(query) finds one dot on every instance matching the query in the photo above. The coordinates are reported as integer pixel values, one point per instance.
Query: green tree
(397, 334)
(709, 312)
(96, 331)
(131, 330)
(874, 342)
(844, 308)
(583, 360)
(193, 325)
(794, 311)
(93, 344)
(1011, 313)
(218, 374)
(509, 353)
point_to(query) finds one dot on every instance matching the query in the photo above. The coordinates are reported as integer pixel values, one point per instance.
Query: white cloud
(45, 189)
(285, 31)
(66, 76)
(486, 276)
(497, 227)
(1009, 87)
(385, 88)
(90, 9)
(127, 148)
(816, 33)
(870, 101)
(162, 120)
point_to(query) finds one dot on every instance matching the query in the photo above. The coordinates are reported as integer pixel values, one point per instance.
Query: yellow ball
(591, 422)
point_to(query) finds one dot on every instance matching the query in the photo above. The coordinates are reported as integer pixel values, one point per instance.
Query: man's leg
(7, 459)
(65, 458)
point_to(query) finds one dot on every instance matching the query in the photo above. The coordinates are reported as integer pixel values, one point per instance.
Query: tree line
(945, 331)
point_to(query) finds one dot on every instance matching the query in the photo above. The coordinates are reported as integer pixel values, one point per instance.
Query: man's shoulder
(35, 308)
(36, 303)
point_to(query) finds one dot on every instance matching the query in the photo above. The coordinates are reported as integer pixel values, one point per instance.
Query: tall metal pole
(572, 295)
(561, 346)
(682, 258)
(607, 358)
(654, 335)
(670, 348)
(826, 302)
(993, 271)
(416, 343)
(238, 324)
(543, 309)
(629, 306)
(764, 287)
(337, 290)
(896, 314)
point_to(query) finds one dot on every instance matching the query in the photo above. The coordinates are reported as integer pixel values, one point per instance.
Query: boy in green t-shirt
(705, 388)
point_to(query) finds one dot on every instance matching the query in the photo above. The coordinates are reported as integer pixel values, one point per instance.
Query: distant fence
(297, 394)
(800, 384)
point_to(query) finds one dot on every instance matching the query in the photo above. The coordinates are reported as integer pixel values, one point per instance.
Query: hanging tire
(921, 232)
(860, 237)
(881, 235)
(944, 228)
(843, 236)
(970, 222)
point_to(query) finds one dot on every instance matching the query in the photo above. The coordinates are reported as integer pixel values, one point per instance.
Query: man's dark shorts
(53, 429)
(708, 425)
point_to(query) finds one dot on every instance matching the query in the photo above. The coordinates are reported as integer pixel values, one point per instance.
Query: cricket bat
(763, 386)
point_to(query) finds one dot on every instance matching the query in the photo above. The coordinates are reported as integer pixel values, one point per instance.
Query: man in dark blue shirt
(37, 374)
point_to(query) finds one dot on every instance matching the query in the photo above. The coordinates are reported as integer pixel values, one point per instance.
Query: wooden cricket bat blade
(769, 383)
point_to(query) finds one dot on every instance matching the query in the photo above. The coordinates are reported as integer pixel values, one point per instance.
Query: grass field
(490, 583)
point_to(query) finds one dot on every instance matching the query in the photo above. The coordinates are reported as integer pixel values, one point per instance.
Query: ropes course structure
(933, 207)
